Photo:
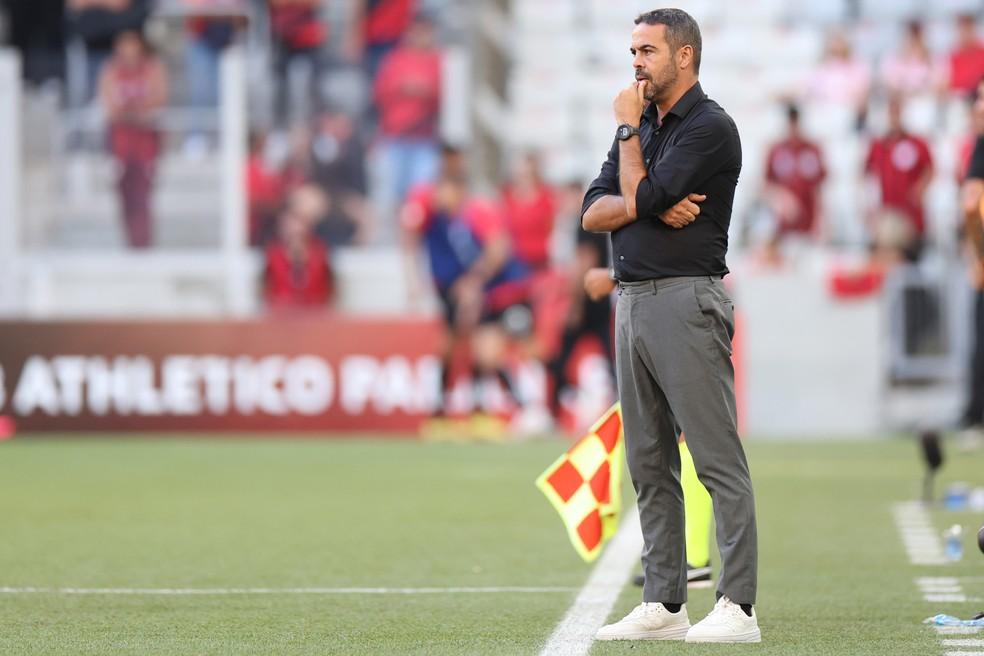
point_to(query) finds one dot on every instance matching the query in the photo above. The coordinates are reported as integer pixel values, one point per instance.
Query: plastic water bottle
(956, 496)
(952, 544)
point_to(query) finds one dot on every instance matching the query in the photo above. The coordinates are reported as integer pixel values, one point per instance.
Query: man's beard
(657, 92)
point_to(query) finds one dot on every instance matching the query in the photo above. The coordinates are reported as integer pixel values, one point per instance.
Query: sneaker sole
(673, 633)
(747, 637)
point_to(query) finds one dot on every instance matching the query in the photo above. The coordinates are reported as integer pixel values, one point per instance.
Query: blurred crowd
(306, 176)
(325, 172)
(898, 162)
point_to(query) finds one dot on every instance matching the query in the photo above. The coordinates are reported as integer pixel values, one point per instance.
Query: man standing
(794, 173)
(675, 148)
(971, 196)
(902, 164)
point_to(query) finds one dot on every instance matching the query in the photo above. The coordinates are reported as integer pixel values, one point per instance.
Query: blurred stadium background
(213, 223)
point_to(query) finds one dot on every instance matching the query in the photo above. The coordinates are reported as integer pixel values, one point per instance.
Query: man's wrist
(626, 131)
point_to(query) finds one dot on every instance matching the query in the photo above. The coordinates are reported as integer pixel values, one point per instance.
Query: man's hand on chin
(630, 103)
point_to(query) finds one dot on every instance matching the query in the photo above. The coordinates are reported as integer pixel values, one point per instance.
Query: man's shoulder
(712, 114)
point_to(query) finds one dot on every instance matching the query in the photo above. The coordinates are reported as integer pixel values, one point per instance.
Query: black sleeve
(976, 168)
(703, 150)
(606, 184)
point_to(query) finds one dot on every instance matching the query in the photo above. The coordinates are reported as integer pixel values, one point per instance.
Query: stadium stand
(549, 71)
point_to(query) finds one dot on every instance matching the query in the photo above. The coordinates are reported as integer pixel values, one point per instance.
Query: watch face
(623, 132)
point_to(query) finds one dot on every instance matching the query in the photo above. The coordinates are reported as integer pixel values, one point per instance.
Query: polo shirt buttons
(621, 257)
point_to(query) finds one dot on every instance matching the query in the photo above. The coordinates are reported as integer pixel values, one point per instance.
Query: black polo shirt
(695, 150)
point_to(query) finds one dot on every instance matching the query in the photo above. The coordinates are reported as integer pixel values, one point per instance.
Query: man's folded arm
(685, 167)
(603, 209)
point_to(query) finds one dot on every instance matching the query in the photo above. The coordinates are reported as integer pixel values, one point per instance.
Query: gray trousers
(673, 360)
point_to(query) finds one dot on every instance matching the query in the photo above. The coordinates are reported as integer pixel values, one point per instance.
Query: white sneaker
(726, 623)
(648, 621)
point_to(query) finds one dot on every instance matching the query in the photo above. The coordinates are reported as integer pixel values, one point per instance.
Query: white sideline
(574, 634)
(282, 591)
(964, 642)
(922, 543)
(958, 630)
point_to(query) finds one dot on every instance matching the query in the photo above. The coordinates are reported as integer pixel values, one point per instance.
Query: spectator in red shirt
(379, 27)
(408, 98)
(265, 189)
(132, 88)
(903, 166)
(298, 36)
(794, 175)
(298, 272)
(530, 208)
(966, 61)
(96, 25)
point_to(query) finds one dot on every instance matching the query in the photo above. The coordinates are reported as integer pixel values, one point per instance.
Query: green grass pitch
(223, 513)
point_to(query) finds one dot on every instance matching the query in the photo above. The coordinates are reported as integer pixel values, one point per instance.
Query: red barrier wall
(317, 373)
(304, 373)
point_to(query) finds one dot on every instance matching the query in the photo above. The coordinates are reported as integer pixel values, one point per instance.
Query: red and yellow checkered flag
(585, 485)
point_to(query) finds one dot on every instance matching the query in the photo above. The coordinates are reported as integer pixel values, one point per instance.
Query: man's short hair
(681, 29)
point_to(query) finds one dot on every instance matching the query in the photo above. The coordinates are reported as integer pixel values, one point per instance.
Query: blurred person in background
(298, 35)
(530, 207)
(265, 190)
(329, 222)
(377, 28)
(902, 165)
(208, 36)
(842, 80)
(590, 311)
(971, 196)
(482, 288)
(975, 127)
(338, 166)
(295, 155)
(97, 24)
(133, 87)
(298, 272)
(910, 70)
(407, 93)
(794, 175)
(37, 30)
(965, 63)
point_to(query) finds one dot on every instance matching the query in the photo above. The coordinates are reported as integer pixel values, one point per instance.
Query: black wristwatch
(626, 131)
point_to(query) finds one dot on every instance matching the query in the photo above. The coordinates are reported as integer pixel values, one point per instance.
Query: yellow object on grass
(584, 485)
(697, 506)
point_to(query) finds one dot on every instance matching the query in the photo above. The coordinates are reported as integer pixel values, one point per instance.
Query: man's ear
(685, 56)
